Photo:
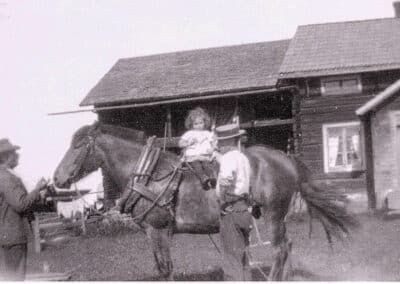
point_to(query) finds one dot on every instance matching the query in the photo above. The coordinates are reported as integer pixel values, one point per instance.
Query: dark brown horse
(275, 178)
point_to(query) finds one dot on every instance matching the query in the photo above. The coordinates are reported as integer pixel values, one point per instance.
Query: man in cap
(232, 190)
(15, 208)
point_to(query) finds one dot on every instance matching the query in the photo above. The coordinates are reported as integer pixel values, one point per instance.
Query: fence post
(36, 234)
(83, 223)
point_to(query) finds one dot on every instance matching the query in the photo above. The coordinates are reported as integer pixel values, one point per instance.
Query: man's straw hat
(6, 146)
(228, 131)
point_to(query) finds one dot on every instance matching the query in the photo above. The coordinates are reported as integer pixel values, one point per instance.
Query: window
(340, 85)
(342, 143)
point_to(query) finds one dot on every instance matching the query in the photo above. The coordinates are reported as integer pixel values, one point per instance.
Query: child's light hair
(195, 113)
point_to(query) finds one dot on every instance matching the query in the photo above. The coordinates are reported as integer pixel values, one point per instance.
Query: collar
(3, 167)
(11, 171)
(226, 149)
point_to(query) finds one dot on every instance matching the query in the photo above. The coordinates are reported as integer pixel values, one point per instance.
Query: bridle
(89, 143)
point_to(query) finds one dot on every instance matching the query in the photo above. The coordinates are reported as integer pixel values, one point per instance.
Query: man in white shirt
(232, 190)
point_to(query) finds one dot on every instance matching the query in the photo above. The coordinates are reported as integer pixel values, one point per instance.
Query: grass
(372, 254)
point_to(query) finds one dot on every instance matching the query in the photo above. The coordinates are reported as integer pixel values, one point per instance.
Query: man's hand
(43, 194)
(41, 184)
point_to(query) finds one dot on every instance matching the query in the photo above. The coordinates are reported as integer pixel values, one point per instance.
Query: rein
(151, 178)
(89, 144)
(82, 157)
(140, 217)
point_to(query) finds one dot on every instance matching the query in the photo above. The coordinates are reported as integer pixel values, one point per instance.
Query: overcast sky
(53, 52)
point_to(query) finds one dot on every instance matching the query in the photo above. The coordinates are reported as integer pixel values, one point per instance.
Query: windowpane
(340, 85)
(350, 83)
(342, 146)
(332, 84)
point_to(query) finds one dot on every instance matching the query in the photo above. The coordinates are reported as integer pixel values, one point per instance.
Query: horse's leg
(281, 245)
(160, 240)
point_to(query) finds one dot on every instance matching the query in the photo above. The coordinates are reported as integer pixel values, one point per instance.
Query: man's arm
(226, 177)
(16, 196)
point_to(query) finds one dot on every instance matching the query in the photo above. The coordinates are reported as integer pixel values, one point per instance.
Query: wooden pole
(83, 225)
(169, 122)
(36, 234)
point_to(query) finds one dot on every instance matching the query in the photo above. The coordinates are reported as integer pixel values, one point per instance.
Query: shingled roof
(189, 74)
(345, 47)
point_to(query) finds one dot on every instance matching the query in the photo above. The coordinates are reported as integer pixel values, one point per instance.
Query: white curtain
(355, 140)
(333, 148)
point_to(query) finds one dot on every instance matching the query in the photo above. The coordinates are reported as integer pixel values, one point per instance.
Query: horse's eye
(79, 144)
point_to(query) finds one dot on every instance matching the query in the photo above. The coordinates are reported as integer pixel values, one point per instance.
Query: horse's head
(81, 158)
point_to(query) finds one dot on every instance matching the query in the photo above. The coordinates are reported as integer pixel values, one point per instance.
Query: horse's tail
(326, 205)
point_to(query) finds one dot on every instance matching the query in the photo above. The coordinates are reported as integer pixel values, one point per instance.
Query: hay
(110, 223)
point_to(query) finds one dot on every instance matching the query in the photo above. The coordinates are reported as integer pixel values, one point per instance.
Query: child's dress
(203, 147)
(200, 149)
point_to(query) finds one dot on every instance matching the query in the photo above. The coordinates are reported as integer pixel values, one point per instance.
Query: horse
(275, 178)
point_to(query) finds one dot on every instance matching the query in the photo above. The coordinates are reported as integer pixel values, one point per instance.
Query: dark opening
(278, 137)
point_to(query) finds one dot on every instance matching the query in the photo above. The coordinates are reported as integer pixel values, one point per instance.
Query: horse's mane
(122, 132)
(117, 131)
(132, 135)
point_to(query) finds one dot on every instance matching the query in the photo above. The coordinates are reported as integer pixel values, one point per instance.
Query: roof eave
(379, 99)
(192, 96)
(337, 71)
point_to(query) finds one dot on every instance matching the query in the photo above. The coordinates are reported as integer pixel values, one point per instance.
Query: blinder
(89, 143)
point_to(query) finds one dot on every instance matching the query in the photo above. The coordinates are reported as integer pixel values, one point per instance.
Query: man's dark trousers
(235, 227)
(13, 266)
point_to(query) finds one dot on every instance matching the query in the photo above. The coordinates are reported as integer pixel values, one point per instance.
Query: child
(199, 144)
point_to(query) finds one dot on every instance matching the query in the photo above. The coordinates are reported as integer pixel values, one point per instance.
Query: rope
(248, 253)
(157, 198)
(215, 245)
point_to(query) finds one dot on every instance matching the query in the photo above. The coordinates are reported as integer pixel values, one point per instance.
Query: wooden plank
(62, 198)
(170, 142)
(328, 118)
(334, 108)
(48, 226)
(46, 215)
(48, 276)
(332, 100)
(71, 193)
(49, 220)
(312, 147)
(267, 122)
(313, 155)
(311, 139)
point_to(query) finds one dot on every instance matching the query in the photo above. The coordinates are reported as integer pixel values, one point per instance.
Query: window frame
(345, 168)
(341, 90)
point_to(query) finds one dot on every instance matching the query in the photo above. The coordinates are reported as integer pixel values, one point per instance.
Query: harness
(143, 185)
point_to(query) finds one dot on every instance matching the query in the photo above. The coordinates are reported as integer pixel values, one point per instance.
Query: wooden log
(267, 122)
(332, 100)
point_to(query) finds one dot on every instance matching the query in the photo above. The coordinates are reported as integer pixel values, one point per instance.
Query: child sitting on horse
(199, 145)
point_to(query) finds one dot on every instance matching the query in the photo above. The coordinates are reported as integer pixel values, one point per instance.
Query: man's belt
(234, 203)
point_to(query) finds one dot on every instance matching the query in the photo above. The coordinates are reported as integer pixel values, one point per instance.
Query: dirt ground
(372, 254)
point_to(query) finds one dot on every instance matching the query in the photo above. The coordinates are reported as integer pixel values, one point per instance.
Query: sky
(53, 52)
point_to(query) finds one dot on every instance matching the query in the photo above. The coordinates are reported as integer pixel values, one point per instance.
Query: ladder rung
(255, 263)
(266, 243)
